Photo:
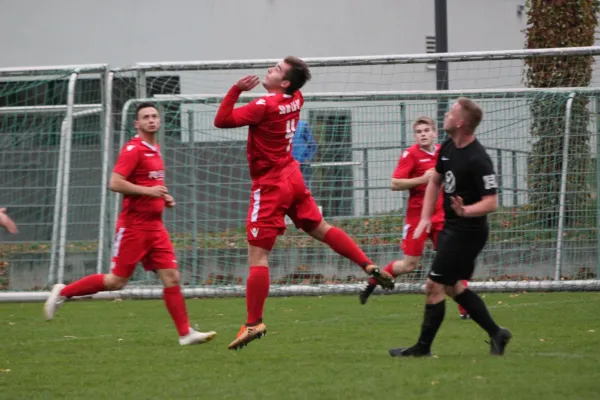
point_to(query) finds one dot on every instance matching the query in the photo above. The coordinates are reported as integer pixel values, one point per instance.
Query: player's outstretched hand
(424, 226)
(157, 191)
(458, 205)
(169, 201)
(7, 223)
(248, 82)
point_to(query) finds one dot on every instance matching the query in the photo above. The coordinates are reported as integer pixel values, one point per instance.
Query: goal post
(513, 201)
(367, 105)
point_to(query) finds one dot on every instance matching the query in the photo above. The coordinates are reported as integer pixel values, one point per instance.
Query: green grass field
(316, 348)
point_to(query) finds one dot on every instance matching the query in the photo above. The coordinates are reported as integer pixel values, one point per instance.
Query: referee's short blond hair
(471, 112)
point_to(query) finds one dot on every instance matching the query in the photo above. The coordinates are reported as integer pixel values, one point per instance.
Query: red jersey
(141, 164)
(272, 123)
(412, 164)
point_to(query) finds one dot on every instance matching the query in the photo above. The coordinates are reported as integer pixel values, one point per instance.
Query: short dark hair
(141, 106)
(298, 74)
(472, 112)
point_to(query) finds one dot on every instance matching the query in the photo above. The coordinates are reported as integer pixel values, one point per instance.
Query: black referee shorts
(456, 253)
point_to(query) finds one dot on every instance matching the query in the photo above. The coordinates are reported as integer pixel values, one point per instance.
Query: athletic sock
(91, 284)
(432, 320)
(342, 244)
(479, 313)
(257, 290)
(176, 306)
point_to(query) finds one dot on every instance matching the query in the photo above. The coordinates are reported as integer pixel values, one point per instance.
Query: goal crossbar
(377, 95)
(209, 98)
(366, 60)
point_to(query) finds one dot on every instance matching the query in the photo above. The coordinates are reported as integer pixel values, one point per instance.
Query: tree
(559, 23)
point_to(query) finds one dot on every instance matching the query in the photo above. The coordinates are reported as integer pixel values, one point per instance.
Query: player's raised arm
(250, 114)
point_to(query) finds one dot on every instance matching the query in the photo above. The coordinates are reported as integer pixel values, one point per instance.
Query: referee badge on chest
(449, 182)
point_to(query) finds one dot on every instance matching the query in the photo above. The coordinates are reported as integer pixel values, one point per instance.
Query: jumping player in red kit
(415, 166)
(141, 236)
(278, 188)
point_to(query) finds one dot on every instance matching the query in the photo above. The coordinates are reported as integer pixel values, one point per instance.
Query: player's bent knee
(434, 292)
(455, 290)
(170, 277)
(450, 291)
(114, 282)
(410, 263)
(317, 230)
(432, 287)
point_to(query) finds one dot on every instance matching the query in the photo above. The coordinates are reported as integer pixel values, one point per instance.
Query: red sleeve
(250, 114)
(127, 161)
(405, 165)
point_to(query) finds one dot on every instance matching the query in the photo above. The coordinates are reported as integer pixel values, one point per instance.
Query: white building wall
(122, 33)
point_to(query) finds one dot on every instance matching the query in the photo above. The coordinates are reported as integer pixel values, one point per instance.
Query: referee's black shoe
(413, 351)
(499, 341)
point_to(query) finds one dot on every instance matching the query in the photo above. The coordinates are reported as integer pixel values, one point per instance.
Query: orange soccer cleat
(248, 334)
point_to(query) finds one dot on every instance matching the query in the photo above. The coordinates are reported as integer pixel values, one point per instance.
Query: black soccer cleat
(384, 280)
(499, 342)
(413, 351)
(465, 316)
(366, 292)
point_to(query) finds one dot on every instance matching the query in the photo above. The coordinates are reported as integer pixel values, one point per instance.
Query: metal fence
(57, 173)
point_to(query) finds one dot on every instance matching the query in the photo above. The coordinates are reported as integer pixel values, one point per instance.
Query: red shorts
(271, 200)
(153, 248)
(414, 247)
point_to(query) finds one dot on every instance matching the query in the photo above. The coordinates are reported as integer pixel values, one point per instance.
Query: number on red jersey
(290, 130)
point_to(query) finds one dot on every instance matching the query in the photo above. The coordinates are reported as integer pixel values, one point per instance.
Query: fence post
(57, 202)
(106, 161)
(500, 186)
(403, 145)
(190, 115)
(563, 188)
(68, 127)
(597, 187)
(515, 179)
(366, 177)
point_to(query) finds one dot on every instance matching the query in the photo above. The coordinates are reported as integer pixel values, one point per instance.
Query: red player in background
(141, 235)
(415, 166)
(278, 187)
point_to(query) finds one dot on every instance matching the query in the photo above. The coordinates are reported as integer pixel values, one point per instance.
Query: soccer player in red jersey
(277, 184)
(415, 166)
(7, 223)
(141, 235)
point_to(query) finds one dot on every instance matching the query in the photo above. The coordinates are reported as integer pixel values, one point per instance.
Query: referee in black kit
(470, 193)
